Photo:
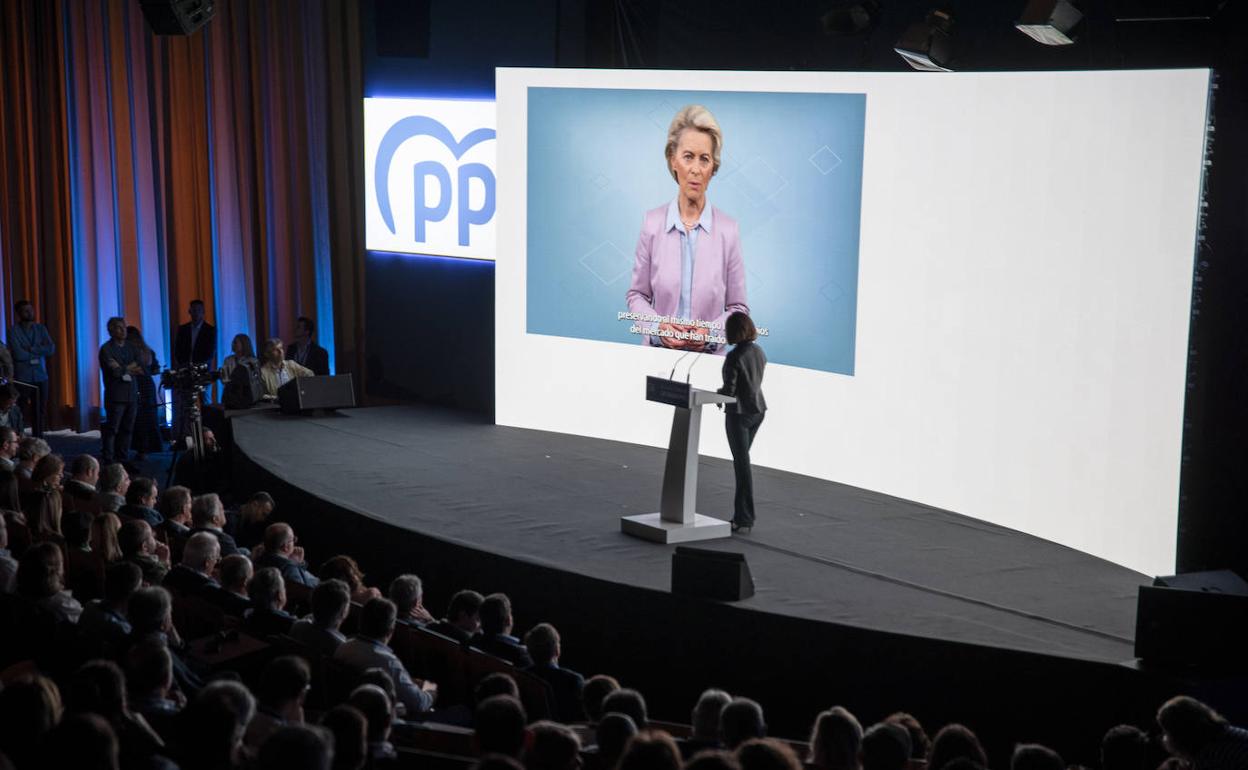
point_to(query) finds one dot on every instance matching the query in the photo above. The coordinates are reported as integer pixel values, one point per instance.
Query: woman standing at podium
(743, 380)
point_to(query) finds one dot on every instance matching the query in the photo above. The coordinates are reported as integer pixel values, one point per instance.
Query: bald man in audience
(194, 576)
(282, 553)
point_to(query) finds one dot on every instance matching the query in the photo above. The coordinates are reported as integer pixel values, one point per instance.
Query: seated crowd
(150, 629)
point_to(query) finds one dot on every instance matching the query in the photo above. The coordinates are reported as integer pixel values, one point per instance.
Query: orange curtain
(141, 172)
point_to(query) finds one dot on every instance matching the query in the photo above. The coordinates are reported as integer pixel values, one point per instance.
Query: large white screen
(1024, 287)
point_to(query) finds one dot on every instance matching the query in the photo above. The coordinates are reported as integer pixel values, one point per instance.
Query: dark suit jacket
(205, 345)
(508, 648)
(231, 603)
(113, 362)
(228, 546)
(449, 630)
(743, 378)
(317, 359)
(186, 581)
(566, 686)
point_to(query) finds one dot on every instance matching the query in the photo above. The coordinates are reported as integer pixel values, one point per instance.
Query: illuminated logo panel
(429, 176)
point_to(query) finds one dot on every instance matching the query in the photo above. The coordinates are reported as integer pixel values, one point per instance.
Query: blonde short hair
(697, 117)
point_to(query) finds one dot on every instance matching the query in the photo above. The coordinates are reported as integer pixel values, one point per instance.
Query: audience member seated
(650, 750)
(495, 637)
(713, 760)
(463, 616)
(346, 569)
(268, 615)
(596, 689)
(42, 504)
(705, 722)
(612, 735)
(10, 412)
(150, 612)
(378, 711)
(276, 370)
(1027, 756)
(297, 747)
(104, 531)
(350, 730)
(208, 515)
(113, 485)
(30, 708)
(500, 726)
(194, 576)
(83, 741)
(552, 746)
(235, 574)
(740, 721)
(139, 546)
(407, 593)
(84, 568)
(253, 519)
(141, 498)
(331, 601)
(8, 565)
(630, 702)
(1200, 736)
(8, 449)
(175, 509)
(835, 740)
(1126, 747)
(493, 684)
(544, 645)
(41, 581)
(279, 700)
(99, 688)
(282, 552)
(213, 725)
(149, 676)
(955, 742)
(79, 490)
(104, 620)
(886, 746)
(30, 451)
(767, 754)
(380, 677)
(370, 648)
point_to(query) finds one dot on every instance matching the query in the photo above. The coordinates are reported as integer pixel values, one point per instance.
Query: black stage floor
(864, 581)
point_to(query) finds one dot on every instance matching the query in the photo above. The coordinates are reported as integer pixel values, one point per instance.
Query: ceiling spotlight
(1049, 21)
(849, 17)
(928, 45)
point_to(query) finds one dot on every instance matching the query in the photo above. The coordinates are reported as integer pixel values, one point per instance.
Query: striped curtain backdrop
(141, 172)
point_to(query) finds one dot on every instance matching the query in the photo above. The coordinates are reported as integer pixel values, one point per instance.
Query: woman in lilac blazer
(688, 264)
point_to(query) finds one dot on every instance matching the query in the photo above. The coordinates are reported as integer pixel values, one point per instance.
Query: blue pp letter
(437, 213)
(469, 216)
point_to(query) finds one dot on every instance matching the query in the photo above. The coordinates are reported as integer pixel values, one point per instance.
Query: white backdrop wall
(1023, 304)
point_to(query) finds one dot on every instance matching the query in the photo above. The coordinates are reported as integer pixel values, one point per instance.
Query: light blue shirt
(688, 251)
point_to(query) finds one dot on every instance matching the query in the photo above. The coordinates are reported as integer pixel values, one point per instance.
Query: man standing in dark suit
(304, 349)
(31, 345)
(566, 685)
(195, 343)
(121, 392)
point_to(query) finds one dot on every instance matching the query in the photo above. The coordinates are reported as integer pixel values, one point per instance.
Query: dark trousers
(741, 429)
(116, 432)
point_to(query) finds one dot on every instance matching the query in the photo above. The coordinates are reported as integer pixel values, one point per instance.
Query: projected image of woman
(688, 263)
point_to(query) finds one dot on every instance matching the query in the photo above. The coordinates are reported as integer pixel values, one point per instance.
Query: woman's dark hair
(740, 328)
(1189, 725)
(953, 742)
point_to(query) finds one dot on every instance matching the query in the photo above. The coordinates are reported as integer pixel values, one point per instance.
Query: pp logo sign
(429, 176)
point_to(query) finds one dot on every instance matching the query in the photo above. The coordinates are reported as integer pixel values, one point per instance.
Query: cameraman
(118, 368)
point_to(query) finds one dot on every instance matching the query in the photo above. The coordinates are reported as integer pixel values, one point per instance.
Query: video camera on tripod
(190, 382)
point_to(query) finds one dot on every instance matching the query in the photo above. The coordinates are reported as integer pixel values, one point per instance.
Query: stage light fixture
(928, 45)
(1049, 21)
(850, 17)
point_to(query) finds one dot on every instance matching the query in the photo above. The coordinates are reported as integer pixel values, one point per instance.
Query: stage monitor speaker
(1197, 619)
(304, 394)
(720, 575)
(177, 17)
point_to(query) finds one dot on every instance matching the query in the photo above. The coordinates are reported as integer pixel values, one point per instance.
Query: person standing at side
(118, 369)
(194, 344)
(147, 418)
(31, 345)
(743, 380)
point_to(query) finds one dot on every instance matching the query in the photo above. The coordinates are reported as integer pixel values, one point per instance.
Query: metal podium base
(650, 526)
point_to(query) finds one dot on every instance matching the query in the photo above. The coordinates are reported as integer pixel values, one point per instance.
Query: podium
(677, 521)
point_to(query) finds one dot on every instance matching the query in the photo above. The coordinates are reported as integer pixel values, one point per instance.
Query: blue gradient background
(791, 175)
